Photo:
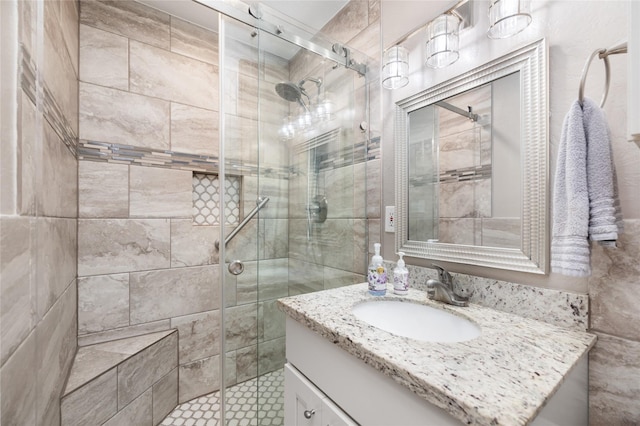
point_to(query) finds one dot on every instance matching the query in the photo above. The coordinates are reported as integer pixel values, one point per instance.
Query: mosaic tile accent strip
(331, 154)
(206, 199)
(133, 155)
(245, 405)
(466, 174)
(29, 77)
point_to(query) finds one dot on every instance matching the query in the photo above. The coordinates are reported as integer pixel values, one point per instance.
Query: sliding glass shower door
(293, 151)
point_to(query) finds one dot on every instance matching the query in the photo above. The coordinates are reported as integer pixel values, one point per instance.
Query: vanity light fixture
(508, 17)
(395, 68)
(441, 46)
(442, 41)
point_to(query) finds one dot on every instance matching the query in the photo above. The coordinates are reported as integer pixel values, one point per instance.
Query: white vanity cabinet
(306, 405)
(317, 368)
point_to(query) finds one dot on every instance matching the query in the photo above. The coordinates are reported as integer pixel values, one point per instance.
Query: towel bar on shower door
(261, 202)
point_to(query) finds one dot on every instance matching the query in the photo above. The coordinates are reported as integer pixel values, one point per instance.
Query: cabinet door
(332, 415)
(302, 400)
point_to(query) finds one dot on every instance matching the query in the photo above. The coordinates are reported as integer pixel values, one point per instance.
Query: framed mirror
(471, 162)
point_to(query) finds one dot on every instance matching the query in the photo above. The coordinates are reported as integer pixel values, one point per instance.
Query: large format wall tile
(501, 232)
(165, 396)
(17, 286)
(56, 260)
(166, 75)
(122, 245)
(334, 278)
(173, 292)
(93, 403)
(241, 326)
(60, 75)
(156, 192)
(273, 238)
(114, 116)
(27, 16)
(199, 378)
(614, 287)
(138, 412)
(246, 363)
(245, 244)
(339, 184)
(194, 41)
(141, 371)
(128, 18)
(69, 18)
(194, 130)
(103, 302)
(271, 355)
(273, 282)
(57, 342)
(105, 58)
(242, 137)
(271, 321)
(275, 189)
(199, 335)
(18, 385)
(614, 388)
(28, 162)
(58, 189)
(193, 245)
(103, 189)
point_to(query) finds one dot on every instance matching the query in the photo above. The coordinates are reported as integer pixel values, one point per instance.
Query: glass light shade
(287, 131)
(508, 17)
(395, 67)
(324, 110)
(442, 41)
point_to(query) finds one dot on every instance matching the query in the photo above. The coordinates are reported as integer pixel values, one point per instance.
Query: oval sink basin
(416, 321)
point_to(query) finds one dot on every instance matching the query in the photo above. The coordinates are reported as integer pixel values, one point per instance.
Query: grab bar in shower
(261, 203)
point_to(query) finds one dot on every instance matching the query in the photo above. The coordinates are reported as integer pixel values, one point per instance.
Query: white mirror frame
(533, 255)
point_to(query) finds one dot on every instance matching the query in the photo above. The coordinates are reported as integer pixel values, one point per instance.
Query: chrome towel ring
(604, 55)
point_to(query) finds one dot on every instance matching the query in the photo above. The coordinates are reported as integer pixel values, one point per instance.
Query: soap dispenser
(400, 277)
(377, 274)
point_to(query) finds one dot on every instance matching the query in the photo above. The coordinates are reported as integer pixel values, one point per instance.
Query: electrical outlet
(390, 219)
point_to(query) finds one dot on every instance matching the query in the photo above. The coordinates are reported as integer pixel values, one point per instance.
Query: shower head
(289, 91)
(292, 92)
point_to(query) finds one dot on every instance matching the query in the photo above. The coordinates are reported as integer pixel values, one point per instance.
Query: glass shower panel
(239, 118)
(291, 133)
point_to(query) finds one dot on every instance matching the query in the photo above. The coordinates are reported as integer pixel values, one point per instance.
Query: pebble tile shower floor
(242, 403)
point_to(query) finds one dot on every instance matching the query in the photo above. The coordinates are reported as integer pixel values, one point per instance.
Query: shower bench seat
(126, 381)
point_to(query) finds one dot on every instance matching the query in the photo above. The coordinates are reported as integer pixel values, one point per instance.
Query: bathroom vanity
(517, 372)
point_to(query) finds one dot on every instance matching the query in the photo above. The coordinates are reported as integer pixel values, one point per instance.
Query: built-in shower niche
(206, 199)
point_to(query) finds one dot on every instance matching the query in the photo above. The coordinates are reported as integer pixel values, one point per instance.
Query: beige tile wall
(143, 265)
(39, 211)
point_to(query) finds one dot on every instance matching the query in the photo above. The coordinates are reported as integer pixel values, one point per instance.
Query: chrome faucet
(442, 289)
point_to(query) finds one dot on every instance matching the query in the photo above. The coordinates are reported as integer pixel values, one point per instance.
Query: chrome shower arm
(261, 203)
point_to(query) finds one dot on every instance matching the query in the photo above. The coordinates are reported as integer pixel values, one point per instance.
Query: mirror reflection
(464, 167)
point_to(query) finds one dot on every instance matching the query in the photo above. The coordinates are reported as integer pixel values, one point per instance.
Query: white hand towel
(585, 200)
(570, 253)
(603, 202)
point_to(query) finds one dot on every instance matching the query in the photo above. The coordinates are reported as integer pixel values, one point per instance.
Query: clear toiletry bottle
(377, 274)
(400, 277)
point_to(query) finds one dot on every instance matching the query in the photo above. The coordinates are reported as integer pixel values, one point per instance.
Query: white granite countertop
(503, 377)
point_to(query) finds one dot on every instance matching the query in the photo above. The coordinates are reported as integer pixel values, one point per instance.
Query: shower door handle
(236, 267)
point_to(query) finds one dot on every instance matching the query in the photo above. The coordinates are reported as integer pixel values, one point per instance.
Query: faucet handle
(443, 275)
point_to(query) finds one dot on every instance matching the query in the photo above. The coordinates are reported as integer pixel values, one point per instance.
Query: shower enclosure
(293, 116)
